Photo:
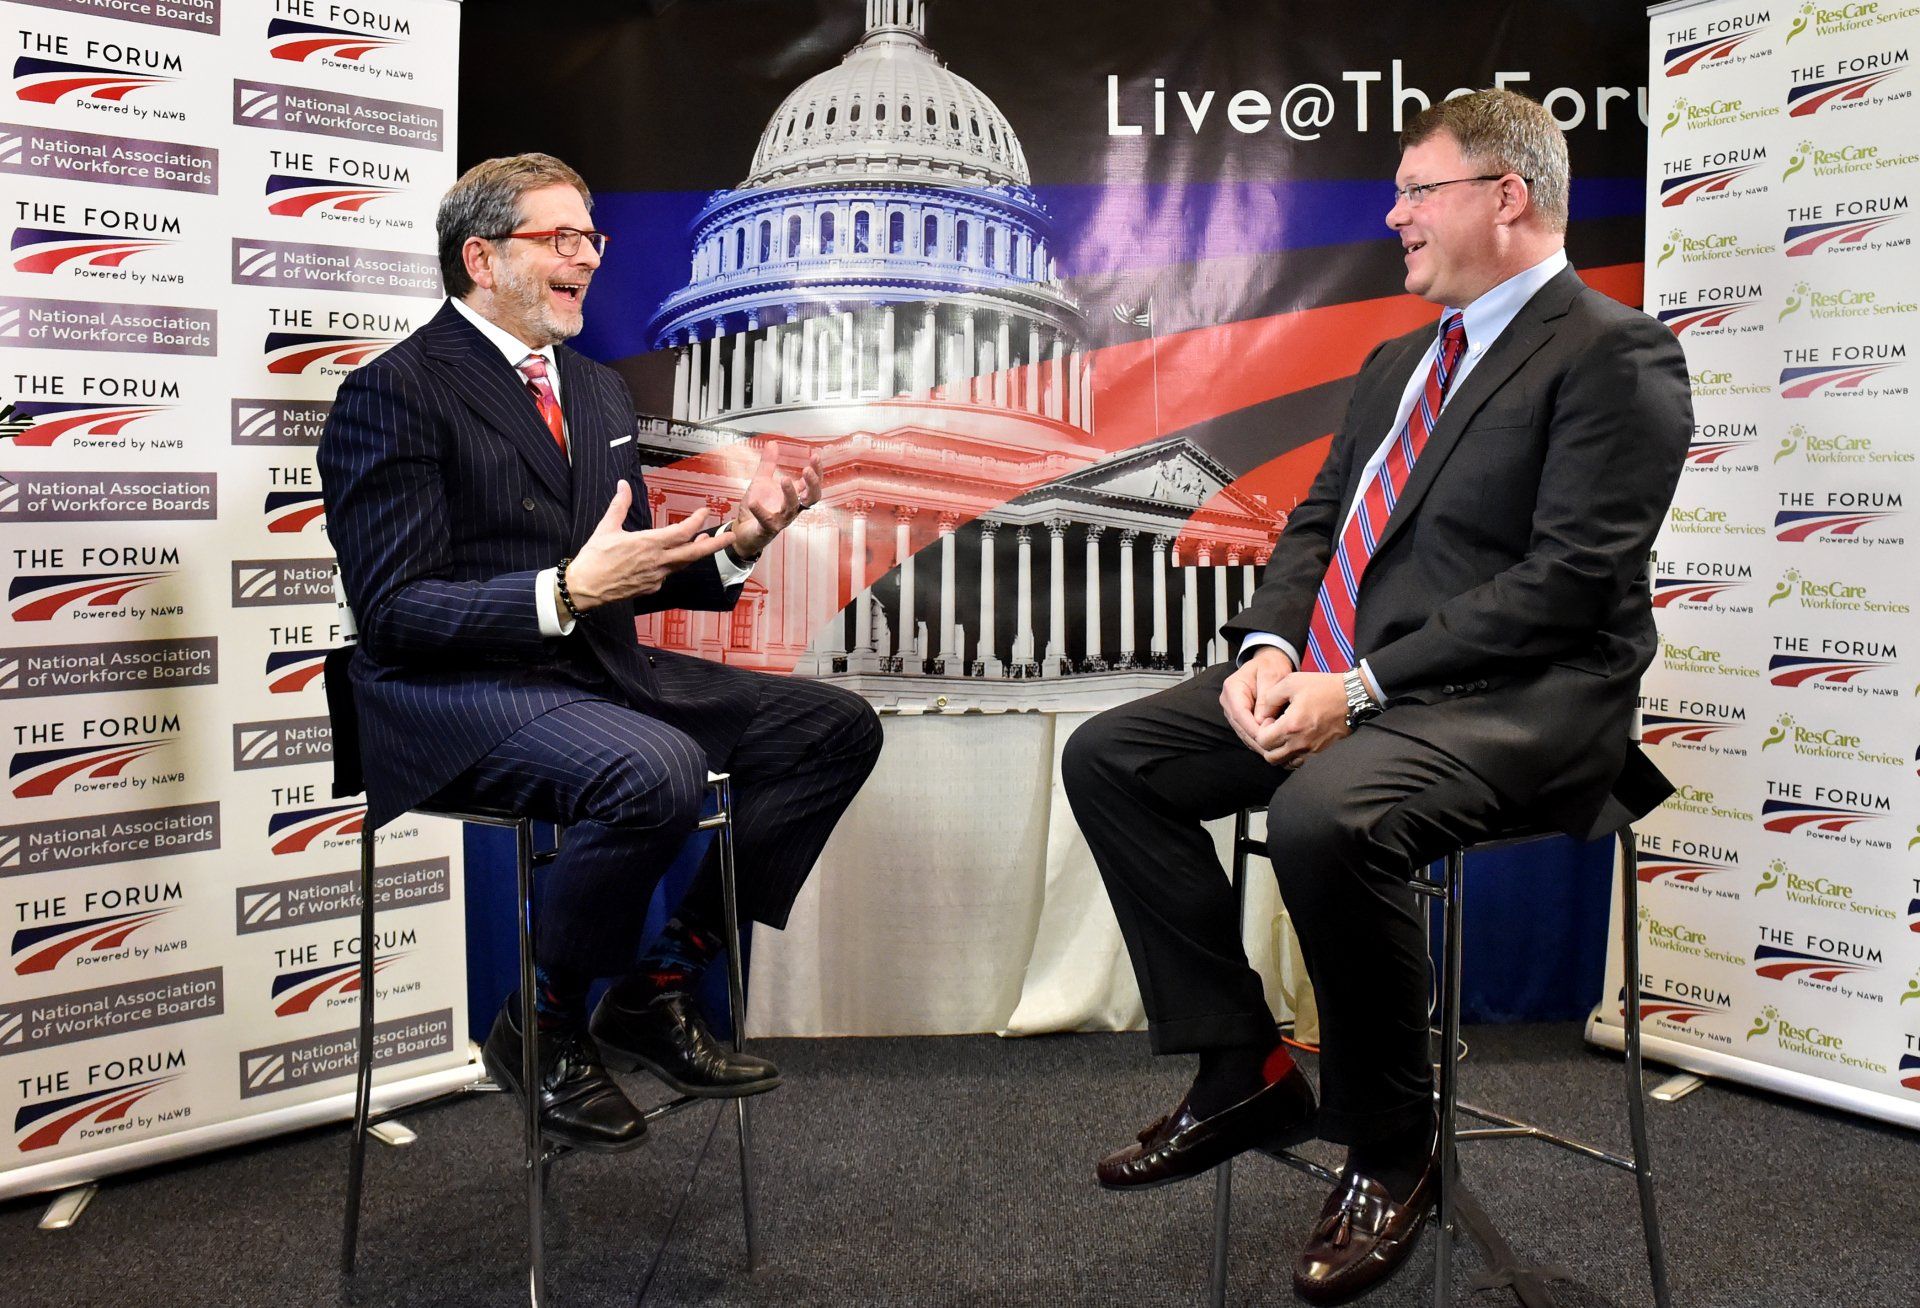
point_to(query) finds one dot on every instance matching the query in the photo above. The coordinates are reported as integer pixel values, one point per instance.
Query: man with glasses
(484, 494)
(1447, 642)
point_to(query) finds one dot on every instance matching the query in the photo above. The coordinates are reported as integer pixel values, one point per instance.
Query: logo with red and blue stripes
(42, 598)
(39, 423)
(294, 511)
(292, 353)
(36, 773)
(1804, 669)
(1683, 59)
(1800, 383)
(48, 81)
(48, 249)
(300, 42)
(1656, 728)
(1702, 452)
(1816, 524)
(298, 991)
(1910, 1071)
(47, 1124)
(293, 831)
(1687, 871)
(1788, 815)
(1676, 191)
(1678, 592)
(1703, 316)
(291, 670)
(294, 197)
(1777, 963)
(40, 949)
(1803, 239)
(1803, 101)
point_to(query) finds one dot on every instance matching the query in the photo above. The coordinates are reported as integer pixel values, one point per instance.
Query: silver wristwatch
(1360, 702)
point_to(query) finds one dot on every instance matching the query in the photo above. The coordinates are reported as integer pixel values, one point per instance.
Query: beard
(522, 296)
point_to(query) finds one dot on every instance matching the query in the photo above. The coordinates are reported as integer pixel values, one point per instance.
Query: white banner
(215, 209)
(1780, 906)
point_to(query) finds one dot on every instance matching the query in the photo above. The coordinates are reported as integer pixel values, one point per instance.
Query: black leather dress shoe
(663, 1034)
(580, 1104)
(1180, 1145)
(1362, 1237)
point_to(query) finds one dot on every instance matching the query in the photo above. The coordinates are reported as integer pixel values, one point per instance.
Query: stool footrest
(1512, 1128)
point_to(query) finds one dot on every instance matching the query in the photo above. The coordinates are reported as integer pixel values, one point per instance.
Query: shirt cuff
(1259, 638)
(1373, 685)
(546, 601)
(732, 573)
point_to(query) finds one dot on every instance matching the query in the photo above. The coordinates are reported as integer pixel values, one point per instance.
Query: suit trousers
(628, 786)
(1346, 830)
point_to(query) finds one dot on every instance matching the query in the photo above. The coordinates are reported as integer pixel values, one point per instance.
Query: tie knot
(535, 367)
(1453, 329)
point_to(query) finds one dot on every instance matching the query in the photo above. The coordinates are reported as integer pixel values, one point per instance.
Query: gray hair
(1503, 131)
(486, 202)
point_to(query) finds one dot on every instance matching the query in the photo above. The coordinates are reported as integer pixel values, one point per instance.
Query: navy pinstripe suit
(446, 496)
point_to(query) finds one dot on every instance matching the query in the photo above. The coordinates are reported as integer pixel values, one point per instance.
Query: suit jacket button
(527, 504)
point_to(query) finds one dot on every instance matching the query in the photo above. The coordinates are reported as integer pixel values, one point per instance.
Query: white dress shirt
(1486, 319)
(516, 351)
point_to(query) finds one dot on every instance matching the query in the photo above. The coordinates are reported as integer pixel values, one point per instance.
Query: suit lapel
(1530, 329)
(490, 386)
(1370, 422)
(587, 437)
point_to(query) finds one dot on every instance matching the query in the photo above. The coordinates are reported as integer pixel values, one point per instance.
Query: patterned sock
(559, 997)
(678, 958)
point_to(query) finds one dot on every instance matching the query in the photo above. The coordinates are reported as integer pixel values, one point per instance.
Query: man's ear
(1516, 200)
(477, 254)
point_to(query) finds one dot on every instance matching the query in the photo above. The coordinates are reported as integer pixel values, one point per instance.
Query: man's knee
(1087, 761)
(1316, 832)
(661, 786)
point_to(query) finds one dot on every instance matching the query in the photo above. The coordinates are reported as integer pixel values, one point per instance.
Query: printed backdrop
(1780, 918)
(213, 210)
(1069, 299)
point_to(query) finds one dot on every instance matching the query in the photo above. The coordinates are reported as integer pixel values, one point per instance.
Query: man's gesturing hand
(772, 501)
(1253, 699)
(616, 564)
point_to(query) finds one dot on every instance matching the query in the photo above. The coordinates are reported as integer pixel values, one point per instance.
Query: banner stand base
(84, 1169)
(1781, 1080)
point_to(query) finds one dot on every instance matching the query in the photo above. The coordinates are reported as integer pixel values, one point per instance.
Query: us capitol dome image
(883, 286)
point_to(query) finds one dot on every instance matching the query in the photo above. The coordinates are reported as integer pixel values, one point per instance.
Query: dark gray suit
(1506, 615)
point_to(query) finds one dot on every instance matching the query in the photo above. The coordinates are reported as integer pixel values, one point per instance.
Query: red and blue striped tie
(1330, 631)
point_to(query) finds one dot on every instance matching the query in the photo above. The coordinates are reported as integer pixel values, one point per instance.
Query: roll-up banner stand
(214, 210)
(1780, 887)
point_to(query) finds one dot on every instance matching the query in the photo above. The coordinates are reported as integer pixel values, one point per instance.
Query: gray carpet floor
(958, 1171)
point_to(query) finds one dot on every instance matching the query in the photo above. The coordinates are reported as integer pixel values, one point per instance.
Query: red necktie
(1330, 631)
(534, 369)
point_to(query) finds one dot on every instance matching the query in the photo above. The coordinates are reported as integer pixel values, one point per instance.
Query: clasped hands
(1282, 715)
(617, 564)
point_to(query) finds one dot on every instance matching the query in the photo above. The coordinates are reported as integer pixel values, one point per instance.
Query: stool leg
(1447, 1076)
(363, 1058)
(1636, 1095)
(530, 1068)
(737, 1003)
(1223, 1178)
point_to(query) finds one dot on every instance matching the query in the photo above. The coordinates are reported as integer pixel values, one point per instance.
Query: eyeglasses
(564, 240)
(1416, 195)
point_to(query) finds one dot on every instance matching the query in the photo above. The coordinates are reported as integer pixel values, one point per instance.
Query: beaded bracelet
(566, 598)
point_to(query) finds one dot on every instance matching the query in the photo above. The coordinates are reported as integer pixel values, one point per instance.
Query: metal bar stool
(540, 1155)
(1458, 1209)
